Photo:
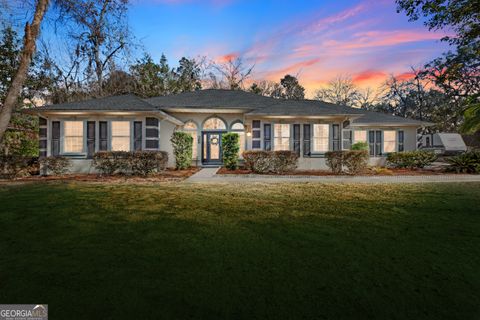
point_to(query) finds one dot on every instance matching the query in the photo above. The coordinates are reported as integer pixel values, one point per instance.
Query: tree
(457, 71)
(292, 89)
(340, 90)
(32, 31)
(268, 89)
(188, 75)
(99, 32)
(234, 73)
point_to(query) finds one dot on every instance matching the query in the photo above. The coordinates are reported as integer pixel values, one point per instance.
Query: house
(310, 128)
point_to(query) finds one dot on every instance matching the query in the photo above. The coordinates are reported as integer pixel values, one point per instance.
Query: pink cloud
(369, 75)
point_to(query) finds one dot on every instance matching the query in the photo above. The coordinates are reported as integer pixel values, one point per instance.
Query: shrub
(182, 149)
(411, 159)
(334, 160)
(284, 161)
(360, 146)
(355, 161)
(12, 166)
(270, 161)
(136, 162)
(230, 149)
(145, 162)
(58, 165)
(111, 162)
(468, 162)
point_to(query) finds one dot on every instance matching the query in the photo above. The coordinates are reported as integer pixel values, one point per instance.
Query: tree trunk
(29, 44)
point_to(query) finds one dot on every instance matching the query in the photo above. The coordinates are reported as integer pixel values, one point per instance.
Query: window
(375, 142)
(335, 137)
(360, 136)
(191, 128)
(320, 137)
(389, 141)
(256, 134)
(239, 129)
(214, 124)
(120, 136)
(73, 136)
(281, 136)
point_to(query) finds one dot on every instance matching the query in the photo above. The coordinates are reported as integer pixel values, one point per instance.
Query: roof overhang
(86, 113)
(383, 124)
(329, 116)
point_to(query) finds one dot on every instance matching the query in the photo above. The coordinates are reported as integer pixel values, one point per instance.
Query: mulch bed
(369, 172)
(167, 175)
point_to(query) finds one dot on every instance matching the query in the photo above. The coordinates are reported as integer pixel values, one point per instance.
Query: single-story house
(308, 127)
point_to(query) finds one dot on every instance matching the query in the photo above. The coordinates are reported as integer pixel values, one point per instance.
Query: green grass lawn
(287, 251)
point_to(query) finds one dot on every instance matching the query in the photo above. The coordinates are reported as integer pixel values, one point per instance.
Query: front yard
(219, 251)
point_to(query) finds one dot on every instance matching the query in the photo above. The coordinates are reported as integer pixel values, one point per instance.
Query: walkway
(208, 175)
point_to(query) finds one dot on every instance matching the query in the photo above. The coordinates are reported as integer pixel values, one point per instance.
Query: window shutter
(401, 139)
(378, 143)
(336, 137)
(103, 136)
(90, 138)
(42, 137)
(267, 136)
(306, 139)
(296, 139)
(55, 138)
(137, 135)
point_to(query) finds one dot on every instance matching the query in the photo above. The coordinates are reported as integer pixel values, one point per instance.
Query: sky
(315, 40)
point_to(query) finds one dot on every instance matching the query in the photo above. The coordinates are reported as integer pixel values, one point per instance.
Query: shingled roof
(304, 108)
(213, 99)
(128, 102)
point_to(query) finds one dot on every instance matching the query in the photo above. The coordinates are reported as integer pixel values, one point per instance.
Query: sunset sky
(315, 40)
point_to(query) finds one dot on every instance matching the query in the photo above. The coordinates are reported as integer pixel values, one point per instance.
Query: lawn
(283, 251)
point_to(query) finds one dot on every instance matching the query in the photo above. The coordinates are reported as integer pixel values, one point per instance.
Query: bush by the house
(230, 149)
(356, 161)
(361, 145)
(334, 160)
(137, 162)
(348, 161)
(468, 162)
(12, 166)
(270, 161)
(411, 159)
(182, 149)
(57, 165)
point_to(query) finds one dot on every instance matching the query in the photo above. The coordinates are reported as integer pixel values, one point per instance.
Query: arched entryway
(212, 130)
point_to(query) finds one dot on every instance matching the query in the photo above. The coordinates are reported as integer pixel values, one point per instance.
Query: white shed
(444, 142)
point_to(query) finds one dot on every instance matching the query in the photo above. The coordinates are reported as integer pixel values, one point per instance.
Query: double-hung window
(73, 136)
(120, 136)
(320, 137)
(360, 136)
(389, 141)
(281, 136)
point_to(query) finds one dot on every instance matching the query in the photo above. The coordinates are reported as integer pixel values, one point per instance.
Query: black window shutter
(378, 143)
(306, 139)
(137, 135)
(267, 136)
(103, 136)
(401, 141)
(55, 138)
(296, 139)
(336, 137)
(90, 138)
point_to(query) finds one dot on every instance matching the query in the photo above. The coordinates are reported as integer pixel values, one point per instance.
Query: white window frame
(282, 136)
(112, 136)
(395, 142)
(315, 138)
(64, 137)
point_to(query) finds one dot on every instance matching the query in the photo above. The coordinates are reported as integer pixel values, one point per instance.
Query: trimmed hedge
(360, 146)
(12, 166)
(347, 161)
(468, 162)
(230, 149)
(270, 161)
(58, 165)
(411, 159)
(182, 149)
(136, 162)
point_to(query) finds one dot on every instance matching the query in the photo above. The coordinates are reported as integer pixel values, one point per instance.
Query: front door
(211, 148)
